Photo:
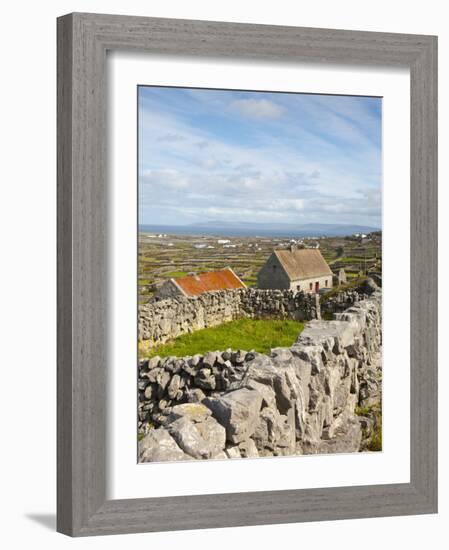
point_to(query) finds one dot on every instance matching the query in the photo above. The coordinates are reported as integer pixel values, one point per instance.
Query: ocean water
(219, 231)
(231, 232)
(250, 231)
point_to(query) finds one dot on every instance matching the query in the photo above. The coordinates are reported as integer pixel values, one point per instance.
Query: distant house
(194, 285)
(295, 269)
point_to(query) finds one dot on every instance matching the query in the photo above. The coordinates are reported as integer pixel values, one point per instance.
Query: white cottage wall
(304, 284)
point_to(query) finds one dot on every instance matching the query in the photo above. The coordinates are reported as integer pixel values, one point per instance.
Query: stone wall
(163, 320)
(296, 400)
(346, 298)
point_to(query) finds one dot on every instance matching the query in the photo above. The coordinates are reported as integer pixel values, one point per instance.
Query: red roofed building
(194, 285)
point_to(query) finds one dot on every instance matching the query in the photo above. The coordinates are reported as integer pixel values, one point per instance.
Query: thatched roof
(303, 263)
(193, 285)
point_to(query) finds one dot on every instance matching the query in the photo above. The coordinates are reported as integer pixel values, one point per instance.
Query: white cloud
(257, 108)
(194, 170)
(209, 163)
(171, 138)
(165, 178)
(202, 144)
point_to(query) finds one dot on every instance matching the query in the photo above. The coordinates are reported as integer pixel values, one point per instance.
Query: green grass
(352, 275)
(146, 281)
(355, 258)
(250, 281)
(171, 274)
(247, 334)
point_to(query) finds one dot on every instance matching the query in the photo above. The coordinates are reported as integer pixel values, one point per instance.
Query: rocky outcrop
(297, 400)
(162, 320)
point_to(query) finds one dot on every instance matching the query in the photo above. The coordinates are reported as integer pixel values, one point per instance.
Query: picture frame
(83, 41)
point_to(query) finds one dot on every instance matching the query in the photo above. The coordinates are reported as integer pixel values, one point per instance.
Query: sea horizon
(221, 231)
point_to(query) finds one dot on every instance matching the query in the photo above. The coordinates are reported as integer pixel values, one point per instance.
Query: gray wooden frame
(83, 40)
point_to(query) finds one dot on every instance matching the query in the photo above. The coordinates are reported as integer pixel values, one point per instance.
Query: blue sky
(219, 155)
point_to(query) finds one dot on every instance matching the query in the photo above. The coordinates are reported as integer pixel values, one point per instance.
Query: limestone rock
(220, 456)
(209, 359)
(267, 393)
(174, 386)
(238, 412)
(195, 395)
(159, 446)
(205, 379)
(346, 440)
(214, 434)
(188, 438)
(233, 452)
(194, 412)
(274, 431)
(248, 449)
(163, 378)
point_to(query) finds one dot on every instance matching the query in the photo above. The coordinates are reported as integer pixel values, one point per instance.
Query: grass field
(175, 274)
(246, 334)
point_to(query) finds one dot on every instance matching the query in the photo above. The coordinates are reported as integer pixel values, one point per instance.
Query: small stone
(233, 452)
(205, 379)
(195, 395)
(174, 386)
(148, 392)
(163, 378)
(195, 360)
(238, 358)
(226, 355)
(209, 359)
(173, 365)
(142, 384)
(219, 361)
(153, 374)
(179, 395)
(153, 362)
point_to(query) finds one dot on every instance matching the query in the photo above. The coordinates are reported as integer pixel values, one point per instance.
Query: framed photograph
(247, 274)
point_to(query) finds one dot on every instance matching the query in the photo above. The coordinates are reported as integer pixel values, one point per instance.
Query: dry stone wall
(296, 400)
(344, 299)
(162, 320)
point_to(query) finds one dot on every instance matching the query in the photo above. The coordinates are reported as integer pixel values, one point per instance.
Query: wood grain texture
(83, 40)
(64, 276)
